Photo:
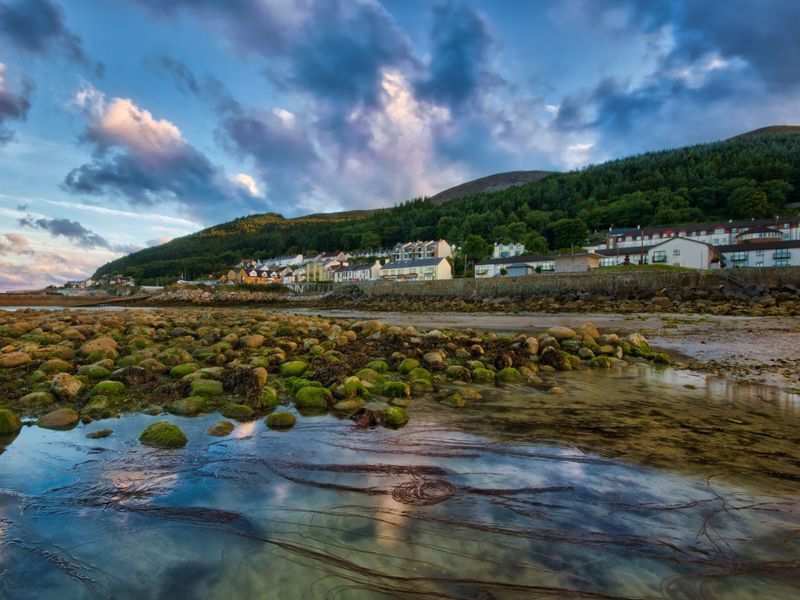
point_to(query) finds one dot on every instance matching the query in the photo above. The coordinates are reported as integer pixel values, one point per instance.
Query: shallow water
(630, 485)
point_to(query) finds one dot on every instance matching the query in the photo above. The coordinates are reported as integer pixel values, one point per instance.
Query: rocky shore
(782, 300)
(58, 368)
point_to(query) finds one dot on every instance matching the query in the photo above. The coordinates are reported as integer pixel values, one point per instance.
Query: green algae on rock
(110, 388)
(187, 406)
(220, 429)
(9, 422)
(281, 420)
(206, 387)
(61, 418)
(294, 368)
(240, 412)
(394, 416)
(313, 397)
(163, 434)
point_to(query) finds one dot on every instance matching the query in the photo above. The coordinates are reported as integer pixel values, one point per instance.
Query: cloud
(247, 182)
(460, 45)
(146, 160)
(13, 106)
(76, 233)
(15, 243)
(39, 27)
(158, 241)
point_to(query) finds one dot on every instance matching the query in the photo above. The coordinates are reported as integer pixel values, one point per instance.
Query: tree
(475, 247)
(370, 241)
(567, 233)
(749, 201)
(535, 243)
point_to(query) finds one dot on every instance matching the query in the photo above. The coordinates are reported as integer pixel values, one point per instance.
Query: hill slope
(750, 176)
(490, 183)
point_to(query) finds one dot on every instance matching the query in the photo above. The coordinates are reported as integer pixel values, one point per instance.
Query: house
(684, 252)
(505, 250)
(419, 249)
(423, 269)
(360, 272)
(716, 234)
(785, 253)
(281, 261)
(323, 270)
(530, 264)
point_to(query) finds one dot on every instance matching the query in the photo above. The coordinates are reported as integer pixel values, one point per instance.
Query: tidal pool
(640, 483)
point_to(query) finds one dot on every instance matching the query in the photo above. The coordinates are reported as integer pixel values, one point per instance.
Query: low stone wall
(617, 283)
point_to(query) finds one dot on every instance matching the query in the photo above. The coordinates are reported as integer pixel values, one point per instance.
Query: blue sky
(125, 123)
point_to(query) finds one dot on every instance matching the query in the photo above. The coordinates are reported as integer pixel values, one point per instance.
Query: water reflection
(631, 485)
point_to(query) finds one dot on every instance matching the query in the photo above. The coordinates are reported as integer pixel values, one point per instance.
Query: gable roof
(420, 262)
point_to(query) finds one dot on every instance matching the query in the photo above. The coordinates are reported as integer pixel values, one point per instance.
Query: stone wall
(616, 283)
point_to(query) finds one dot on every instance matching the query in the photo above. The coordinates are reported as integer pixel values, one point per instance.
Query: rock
(433, 358)
(153, 410)
(558, 391)
(481, 375)
(639, 344)
(55, 365)
(98, 408)
(294, 368)
(65, 386)
(367, 328)
(532, 345)
(180, 371)
(558, 359)
(261, 376)
(221, 429)
(163, 434)
(454, 401)
(281, 420)
(240, 412)
(420, 387)
(110, 388)
(509, 376)
(588, 330)
(267, 400)
(174, 356)
(99, 434)
(206, 387)
(420, 373)
(661, 302)
(187, 406)
(94, 371)
(601, 362)
(252, 341)
(470, 394)
(458, 373)
(37, 399)
(407, 365)
(395, 389)
(394, 416)
(9, 422)
(104, 345)
(62, 418)
(585, 353)
(313, 397)
(348, 407)
(14, 359)
(370, 375)
(561, 333)
(379, 366)
(434, 334)
(353, 387)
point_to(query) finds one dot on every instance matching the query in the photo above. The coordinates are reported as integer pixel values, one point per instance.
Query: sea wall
(616, 283)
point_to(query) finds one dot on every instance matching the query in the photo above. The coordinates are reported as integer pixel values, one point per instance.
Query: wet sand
(762, 350)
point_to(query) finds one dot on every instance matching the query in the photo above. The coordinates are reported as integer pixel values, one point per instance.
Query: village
(732, 245)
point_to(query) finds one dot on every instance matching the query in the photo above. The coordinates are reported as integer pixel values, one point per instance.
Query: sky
(126, 123)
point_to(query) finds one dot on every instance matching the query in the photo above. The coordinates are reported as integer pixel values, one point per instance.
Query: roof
(758, 246)
(710, 227)
(420, 262)
(762, 229)
(529, 258)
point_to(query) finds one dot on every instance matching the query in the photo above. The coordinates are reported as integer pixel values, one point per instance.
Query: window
(759, 253)
(783, 253)
(739, 257)
(760, 263)
(659, 256)
(781, 263)
(676, 252)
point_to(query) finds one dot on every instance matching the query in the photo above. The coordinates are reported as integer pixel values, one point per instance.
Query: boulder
(9, 422)
(394, 416)
(62, 418)
(294, 368)
(65, 386)
(163, 434)
(281, 420)
(220, 429)
(561, 333)
(206, 387)
(14, 359)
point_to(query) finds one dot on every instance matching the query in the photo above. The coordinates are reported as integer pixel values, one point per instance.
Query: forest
(748, 176)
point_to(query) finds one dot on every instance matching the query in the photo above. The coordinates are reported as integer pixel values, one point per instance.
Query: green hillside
(748, 176)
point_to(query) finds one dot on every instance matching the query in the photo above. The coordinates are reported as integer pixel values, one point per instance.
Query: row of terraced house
(735, 244)
(411, 261)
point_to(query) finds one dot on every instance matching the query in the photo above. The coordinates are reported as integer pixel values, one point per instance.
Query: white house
(683, 252)
(419, 249)
(530, 264)
(762, 254)
(423, 269)
(361, 272)
(505, 250)
(716, 234)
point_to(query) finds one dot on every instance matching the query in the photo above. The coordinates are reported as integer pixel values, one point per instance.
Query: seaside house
(531, 264)
(502, 250)
(421, 249)
(422, 269)
(359, 272)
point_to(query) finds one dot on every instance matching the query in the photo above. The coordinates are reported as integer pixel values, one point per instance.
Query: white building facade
(424, 269)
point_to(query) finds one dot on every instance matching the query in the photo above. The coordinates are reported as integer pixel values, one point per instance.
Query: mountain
(752, 175)
(490, 183)
(791, 129)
